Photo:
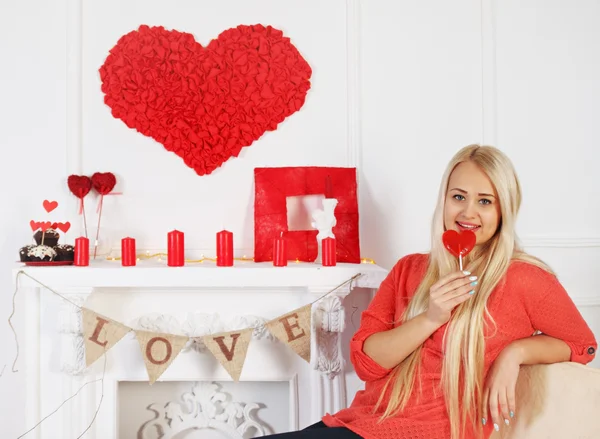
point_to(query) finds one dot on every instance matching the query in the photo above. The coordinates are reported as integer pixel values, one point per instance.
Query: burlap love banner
(159, 350)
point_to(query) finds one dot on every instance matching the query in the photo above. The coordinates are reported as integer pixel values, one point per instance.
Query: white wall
(397, 88)
(32, 123)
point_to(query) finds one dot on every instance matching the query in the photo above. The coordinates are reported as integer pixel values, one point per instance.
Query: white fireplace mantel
(153, 274)
(193, 300)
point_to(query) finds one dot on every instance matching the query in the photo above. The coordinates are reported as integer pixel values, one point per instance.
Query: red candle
(128, 258)
(279, 252)
(224, 249)
(175, 249)
(328, 252)
(82, 252)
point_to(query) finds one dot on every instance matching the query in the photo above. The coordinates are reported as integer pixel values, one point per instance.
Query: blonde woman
(439, 349)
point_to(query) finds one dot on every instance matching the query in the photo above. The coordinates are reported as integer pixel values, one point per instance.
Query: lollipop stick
(460, 262)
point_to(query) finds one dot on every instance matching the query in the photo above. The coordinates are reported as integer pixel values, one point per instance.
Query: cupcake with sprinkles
(23, 251)
(41, 253)
(64, 252)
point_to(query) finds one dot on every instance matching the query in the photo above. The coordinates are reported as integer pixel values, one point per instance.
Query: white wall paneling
(547, 74)
(397, 88)
(353, 28)
(488, 74)
(421, 99)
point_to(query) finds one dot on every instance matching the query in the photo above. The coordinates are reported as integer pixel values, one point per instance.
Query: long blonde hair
(464, 344)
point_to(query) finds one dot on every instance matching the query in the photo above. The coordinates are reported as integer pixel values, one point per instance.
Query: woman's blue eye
(460, 197)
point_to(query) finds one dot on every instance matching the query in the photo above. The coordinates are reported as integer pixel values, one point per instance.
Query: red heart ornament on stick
(204, 103)
(79, 185)
(34, 225)
(103, 182)
(50, 205)
(459, 244)
(45, 225)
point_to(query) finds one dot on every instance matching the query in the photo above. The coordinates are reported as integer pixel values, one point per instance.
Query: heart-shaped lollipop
(459, 244)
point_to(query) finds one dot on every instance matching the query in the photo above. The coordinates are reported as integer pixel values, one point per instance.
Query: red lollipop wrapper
(459, 244)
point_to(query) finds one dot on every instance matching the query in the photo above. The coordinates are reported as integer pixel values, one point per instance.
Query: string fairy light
(160, 256)
(147, 255)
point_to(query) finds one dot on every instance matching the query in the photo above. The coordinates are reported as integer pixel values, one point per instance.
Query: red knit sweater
(527, 300)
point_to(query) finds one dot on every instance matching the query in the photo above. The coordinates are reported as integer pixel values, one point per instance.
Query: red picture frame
(274, 185)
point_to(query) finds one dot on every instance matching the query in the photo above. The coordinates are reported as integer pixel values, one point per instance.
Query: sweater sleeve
(378, 317)
(552, 312)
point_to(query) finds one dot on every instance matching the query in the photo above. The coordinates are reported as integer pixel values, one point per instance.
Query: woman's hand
(499, 390)
(447, 293)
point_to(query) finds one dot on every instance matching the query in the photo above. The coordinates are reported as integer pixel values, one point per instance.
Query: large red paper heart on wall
(204, 103)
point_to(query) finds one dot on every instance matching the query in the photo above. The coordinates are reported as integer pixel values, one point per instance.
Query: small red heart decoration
(204, 103)
(79, 185)
(50, 205)
(45, 225)
(34, 225)
(459, 243)
(64, 226)
(103, 182)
